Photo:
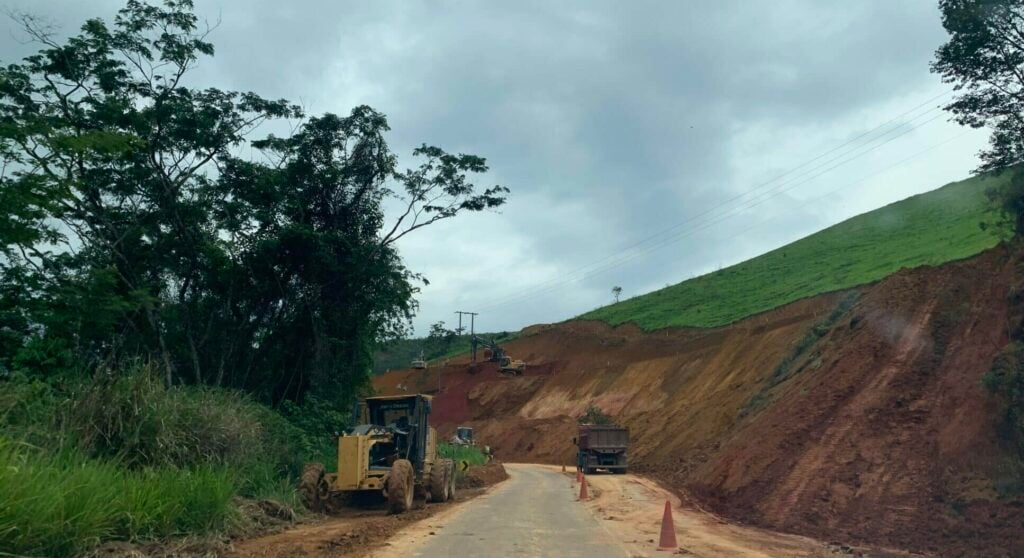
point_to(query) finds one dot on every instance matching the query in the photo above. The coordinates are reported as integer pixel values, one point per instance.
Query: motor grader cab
(392, 450)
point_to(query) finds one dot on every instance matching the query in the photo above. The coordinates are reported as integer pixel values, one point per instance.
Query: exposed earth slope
(854, 416)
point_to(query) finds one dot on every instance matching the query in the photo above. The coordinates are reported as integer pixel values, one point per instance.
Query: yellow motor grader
(393, 451)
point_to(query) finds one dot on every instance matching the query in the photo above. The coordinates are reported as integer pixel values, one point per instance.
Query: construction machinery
(392, 452)
(601, 447)
(464, 436)
(420, 363)
(495, 353)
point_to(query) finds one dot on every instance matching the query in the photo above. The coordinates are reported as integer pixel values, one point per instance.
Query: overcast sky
(639, 139)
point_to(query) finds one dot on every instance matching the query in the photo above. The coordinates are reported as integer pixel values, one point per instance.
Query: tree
(132, 228)
(616, 292)
(440, 339)
(984, 59)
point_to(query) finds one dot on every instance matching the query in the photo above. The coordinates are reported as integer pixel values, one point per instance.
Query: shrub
(124, 458)
(1005, 379)
(134, 418)
(594, 415)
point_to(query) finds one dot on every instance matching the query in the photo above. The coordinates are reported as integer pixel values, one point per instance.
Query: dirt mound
(481, 476)
(855, 416)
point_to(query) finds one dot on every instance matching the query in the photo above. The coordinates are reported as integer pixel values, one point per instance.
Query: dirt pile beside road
(483, 475)
(856, 416)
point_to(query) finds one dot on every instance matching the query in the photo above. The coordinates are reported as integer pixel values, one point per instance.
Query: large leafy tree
(131, 227)
(984, 59)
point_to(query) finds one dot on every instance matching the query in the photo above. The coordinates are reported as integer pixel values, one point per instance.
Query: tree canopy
(984, 59)
(132, 228)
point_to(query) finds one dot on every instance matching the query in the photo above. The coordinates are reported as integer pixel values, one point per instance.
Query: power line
(623, 256)
(684, 234)
(741, 195)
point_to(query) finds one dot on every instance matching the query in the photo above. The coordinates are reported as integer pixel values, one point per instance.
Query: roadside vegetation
(928, 229)
(472, 454)
(122, 456)
(188, 306)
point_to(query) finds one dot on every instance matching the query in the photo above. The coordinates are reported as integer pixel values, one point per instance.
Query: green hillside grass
(927, 229)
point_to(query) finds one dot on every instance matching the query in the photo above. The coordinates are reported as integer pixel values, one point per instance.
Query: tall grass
(122, 457)
(61, 504)
(472, 454)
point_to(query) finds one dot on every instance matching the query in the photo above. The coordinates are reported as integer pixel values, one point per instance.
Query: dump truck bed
(594, 437)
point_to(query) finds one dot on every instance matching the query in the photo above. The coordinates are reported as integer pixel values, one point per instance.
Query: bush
(124, 458)
(133, 418)
(1006, 380)
(594, 415)
(60, 504)
(318, 424)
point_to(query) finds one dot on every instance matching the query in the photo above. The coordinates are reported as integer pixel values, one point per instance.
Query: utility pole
(472, 332)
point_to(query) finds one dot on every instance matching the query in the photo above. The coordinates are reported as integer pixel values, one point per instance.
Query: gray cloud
(609, 121)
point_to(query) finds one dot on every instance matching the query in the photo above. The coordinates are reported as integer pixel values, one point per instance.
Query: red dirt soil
(880, 434)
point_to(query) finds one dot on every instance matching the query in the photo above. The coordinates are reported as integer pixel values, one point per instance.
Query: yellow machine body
(354, 470)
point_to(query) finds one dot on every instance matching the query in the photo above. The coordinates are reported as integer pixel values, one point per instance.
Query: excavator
(495, 353)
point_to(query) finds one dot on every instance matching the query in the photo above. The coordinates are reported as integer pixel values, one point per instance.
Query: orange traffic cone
(668, 530)
(583, 491)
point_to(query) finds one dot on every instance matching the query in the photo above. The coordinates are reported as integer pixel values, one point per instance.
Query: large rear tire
(400, 486)
(439, 481)
(313, 488)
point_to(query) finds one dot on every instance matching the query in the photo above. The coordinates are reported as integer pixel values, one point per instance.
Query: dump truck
(392, 452)
(601, 447)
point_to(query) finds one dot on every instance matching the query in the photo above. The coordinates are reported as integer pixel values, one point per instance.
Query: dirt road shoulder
(350, 532)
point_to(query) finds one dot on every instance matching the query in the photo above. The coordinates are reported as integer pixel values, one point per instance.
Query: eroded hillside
(857, 415)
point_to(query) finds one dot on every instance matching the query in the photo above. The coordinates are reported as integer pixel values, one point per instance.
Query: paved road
(534, 513)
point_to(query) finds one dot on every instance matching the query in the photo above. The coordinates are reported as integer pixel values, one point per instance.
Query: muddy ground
(355, 532)
(867, 427)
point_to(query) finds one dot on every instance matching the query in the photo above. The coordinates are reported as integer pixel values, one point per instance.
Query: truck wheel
(439, 481)
(313, 488)
(400, 486)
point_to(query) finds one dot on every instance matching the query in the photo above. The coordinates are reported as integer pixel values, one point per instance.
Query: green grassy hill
(927, 229)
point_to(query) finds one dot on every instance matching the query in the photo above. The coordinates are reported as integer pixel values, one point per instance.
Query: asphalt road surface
(536, 513)
(533, 513)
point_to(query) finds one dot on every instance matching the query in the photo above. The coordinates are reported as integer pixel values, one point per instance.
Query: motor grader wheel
(314, 489)
(400, 486)
(450, 467)
(439, 481)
